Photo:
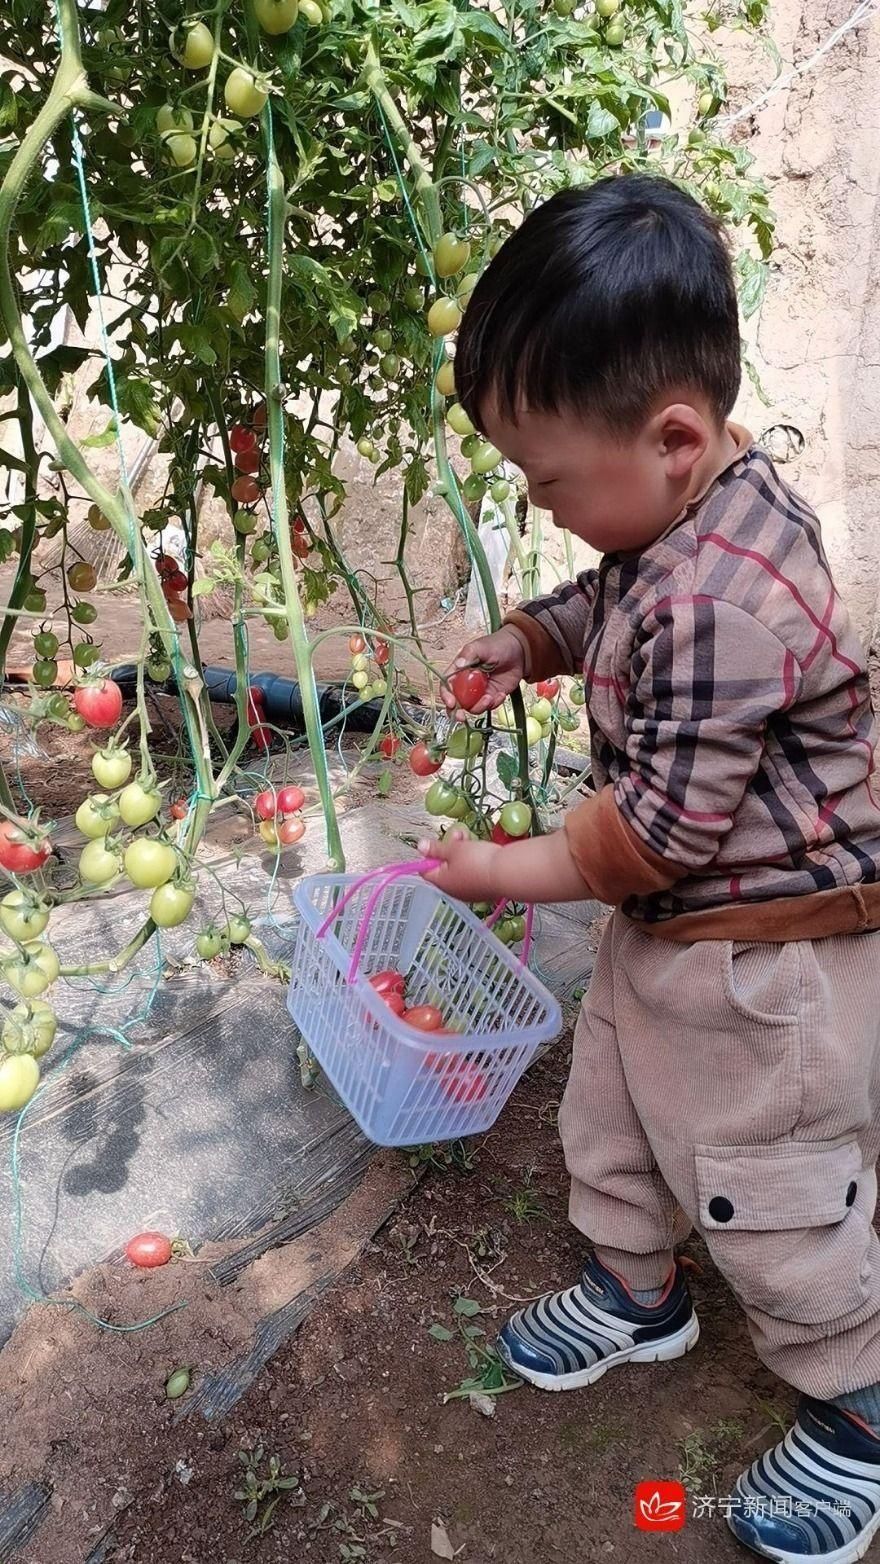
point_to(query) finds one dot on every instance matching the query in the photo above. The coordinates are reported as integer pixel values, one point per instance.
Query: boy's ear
(681, 437)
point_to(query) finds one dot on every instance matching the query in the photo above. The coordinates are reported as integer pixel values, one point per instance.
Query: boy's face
(618, 495)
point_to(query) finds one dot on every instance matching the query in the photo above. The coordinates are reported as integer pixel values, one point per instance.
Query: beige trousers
(736, 1087)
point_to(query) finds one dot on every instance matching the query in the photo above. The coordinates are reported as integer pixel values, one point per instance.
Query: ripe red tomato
(548, 689)
(389, 982)
(395, 1002)
(389, 746)
(148, 1250)
(356, 645)
(300, 546)
(290, 800)
(174, 581)
(99, 703)
(179, 611)
(463, 1081)
(266, 804)
(20, 852)
(245, 490)
(262, 737)
(469, 685)
(247, 461)
(179, 810)
(241, 439)
(298, 524)
(260, 416)
(381, 653)
(256, 694)
(424, 762)
(166, 564)
(500, 836)
(425, 1018)
(290, 831)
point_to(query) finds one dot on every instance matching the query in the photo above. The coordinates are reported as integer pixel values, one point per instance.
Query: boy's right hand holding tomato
(501, 658)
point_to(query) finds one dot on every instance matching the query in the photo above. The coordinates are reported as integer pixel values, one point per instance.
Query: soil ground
(353, 1406)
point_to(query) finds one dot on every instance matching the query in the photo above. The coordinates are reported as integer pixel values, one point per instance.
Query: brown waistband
(853, 909)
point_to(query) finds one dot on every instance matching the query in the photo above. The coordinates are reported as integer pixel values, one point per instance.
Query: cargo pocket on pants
(784, 1224)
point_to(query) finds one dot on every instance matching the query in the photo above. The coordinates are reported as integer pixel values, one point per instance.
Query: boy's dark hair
(605, 297)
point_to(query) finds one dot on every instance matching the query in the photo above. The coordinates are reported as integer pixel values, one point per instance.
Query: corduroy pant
(736, 1088)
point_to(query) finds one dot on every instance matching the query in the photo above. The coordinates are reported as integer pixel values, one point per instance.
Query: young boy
(726, 1069)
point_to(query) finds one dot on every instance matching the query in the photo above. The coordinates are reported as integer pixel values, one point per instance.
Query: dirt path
(353, 1407)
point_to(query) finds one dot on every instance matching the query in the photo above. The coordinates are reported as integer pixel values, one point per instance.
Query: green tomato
(209, 943)
(485, 458)
(22, 917)
(360, 680)
(311, 12)
(413, 298)
(19, 1079)
(111, 767)
(30, 1029)
(99, 863)
(84, 614)
(177, 1384)
(31, 969)
(35, 601)
(245, 522)
(96, 815)
(45, 644)
(58, 707)
(577, 694)
(460, 808)
(366, 448)
(245, 93)
(504, 930)
(149, 863)
(276, 16)
(568, 722)
(158, 671)
(706, 103)
(238, 929)
(451, 255)
(222, 138)
(542, 711)
(444, 317)
(534, 732)
(380, 686)
(182, 150)
(86, 654)
(459, 421)
(500, 490)
(469, 444)
(615, 33)
(171, 905)
(504, 718)
(517, 927)
(198, 47)
(444, 379)
(473, 488)
(440, 797)
(466, 287)
(170, 117)
(138, 804)
(261, 551)
(44, 673)
(464, 742)
(76, 723)
(390, 365)
(607, 8)
(383, 339)
(516, 819)
(564, 7)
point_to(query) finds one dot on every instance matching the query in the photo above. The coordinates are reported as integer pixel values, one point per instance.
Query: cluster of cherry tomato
(279, 814)
(461, 1080)
(368, 664)
(81, 577)
(175, 583)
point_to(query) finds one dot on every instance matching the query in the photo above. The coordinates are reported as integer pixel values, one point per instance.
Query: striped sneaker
(569, 1339)
(816, 1495)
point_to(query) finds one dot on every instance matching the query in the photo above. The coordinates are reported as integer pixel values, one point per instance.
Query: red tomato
(248, 461)
(463, 1081)
(20, 852)
(290, 800)
(256, 695)
(381, 653)
(389, 746)
(262, 737)
(291, 831)
(99, 703)
(395, 1003)
(300, 546)
(174, 581)
(266, 804)
(389, 982)
(500, 836)
(179, 810)
(356, 645)
(169, 592)
(548, 689)
(423, 761)
(259, 416)
(425, 1018)
(148, 1250)
(245, 490)
(165, 564)
(241, 439)
(179, 611)
(298, 524)
(469, 686)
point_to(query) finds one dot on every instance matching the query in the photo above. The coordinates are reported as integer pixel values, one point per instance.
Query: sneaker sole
(848, 1554)
(660, 1351)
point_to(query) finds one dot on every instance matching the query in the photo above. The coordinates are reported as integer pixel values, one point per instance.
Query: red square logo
(660, 1506)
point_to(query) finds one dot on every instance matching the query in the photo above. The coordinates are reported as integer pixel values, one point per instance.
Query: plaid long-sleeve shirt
(732, 736)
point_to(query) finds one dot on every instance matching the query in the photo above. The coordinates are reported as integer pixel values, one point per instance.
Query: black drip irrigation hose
(282, 698)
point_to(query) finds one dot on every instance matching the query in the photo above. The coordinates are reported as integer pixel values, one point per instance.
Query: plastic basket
(405, 1087)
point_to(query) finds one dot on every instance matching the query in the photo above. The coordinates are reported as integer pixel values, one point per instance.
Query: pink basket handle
(384, 876)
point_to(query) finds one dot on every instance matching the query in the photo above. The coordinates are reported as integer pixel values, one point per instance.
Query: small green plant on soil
(355, 1532)
(524, 1204)
(703, 1451)
(488, 1376)
(263, 1488)
(454, 1156)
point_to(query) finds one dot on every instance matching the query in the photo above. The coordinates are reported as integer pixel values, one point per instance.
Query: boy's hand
(469, 868)
(502, 658)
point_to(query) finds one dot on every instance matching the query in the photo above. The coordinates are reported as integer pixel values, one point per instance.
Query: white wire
(863, 9)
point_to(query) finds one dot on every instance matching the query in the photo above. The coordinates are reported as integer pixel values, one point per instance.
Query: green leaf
(601, 122)
(15, 462)
(242, 295)
(467, 1307)
(440, 1333)
(508, 770)
(8, 105)
(385, 783)
(203, 587)
(97, 442)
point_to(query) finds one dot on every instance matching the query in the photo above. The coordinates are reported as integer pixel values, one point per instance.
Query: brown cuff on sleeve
(543, 657)
(614, 862)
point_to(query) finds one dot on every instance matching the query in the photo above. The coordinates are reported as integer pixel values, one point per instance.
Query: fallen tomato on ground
(148, 1250)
